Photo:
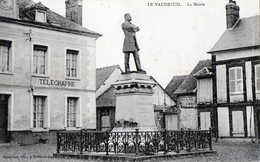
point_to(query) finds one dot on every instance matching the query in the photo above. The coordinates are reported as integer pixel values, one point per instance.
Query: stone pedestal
(134, 103)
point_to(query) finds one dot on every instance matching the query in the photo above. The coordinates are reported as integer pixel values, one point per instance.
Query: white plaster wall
(221, 84)
(223, 121)
(237, 54)
(20, 79)
(250, 121)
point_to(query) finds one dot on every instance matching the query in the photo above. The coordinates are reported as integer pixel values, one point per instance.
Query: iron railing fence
(136, 142)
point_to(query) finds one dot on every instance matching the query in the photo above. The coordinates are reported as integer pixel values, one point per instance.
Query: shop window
(40, 59)
(5, 56)
(236, 80)
(72, 63)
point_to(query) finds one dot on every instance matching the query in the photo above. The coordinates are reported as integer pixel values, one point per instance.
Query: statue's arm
(130, 27)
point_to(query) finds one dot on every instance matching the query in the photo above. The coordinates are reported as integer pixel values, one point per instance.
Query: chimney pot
(232, 13)
(74, 10)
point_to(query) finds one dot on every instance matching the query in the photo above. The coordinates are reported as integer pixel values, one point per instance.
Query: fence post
(80, 142)
(136, 142)
(165, 141)
(107, 139)
(58, 141)
(189, 139)
(210, 138)
(177, 143)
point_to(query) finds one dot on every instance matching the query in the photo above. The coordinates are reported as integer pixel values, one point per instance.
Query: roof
(204, 73)
(174, 84)
(107, 99)
(103, 73)
(244, 34)
(189, 85)
(54, 20)
(164, 90)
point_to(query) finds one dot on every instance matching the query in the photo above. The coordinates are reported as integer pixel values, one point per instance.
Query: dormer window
(37, 12)
(40, 16)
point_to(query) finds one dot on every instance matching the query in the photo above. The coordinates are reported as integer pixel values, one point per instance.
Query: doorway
(3, 118)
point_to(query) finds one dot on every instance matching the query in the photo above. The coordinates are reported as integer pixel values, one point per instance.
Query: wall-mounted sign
(57, 83)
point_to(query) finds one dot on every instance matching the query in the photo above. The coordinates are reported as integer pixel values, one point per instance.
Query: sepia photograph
(139, 80)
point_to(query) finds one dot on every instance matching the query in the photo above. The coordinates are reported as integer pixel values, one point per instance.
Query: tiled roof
(103, 73)
(54, 20)
(107, 99)
(189, 85)
(203, 73)
(244, 34)
(174, 84)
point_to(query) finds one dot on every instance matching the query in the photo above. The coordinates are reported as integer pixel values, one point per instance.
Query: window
(257, 78)
(71, 111)
(38, 111)
(71, 63)
(5, 56)
(40, 16)
(236, 80)
(39, 59)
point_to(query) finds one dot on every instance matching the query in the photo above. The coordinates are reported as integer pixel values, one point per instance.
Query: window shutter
(257, 77)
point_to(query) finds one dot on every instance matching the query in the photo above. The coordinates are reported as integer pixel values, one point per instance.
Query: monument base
(134, 103)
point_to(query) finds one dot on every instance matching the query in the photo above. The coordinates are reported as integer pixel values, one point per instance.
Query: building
(174, 84)
(204, 98)
(47, 81)
(106, 101)
(236, 79)
(184, 89)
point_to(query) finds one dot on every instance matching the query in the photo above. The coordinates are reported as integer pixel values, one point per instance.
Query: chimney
(74, 10)
(232, 13)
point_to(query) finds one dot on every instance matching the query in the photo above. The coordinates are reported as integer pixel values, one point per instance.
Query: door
(3, 118)
(205, 121)
(238, 124)
(171, 122)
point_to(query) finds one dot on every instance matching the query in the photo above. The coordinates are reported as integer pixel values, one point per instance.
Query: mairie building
(47, 71)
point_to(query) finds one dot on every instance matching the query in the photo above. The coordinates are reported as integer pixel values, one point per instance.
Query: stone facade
(40, 82)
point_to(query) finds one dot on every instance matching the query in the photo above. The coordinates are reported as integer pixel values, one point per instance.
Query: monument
(134, 90)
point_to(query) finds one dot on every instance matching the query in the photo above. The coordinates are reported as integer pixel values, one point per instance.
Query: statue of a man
(130, 43)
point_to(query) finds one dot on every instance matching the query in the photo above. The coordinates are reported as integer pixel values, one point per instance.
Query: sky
(172, 39)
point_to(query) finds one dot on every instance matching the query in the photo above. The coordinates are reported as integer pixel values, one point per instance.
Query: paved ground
(228, 150)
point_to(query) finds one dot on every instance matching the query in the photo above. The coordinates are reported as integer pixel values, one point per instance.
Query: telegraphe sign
(57, 83)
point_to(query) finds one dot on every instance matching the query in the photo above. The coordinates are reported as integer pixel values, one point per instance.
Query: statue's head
(127, 17)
